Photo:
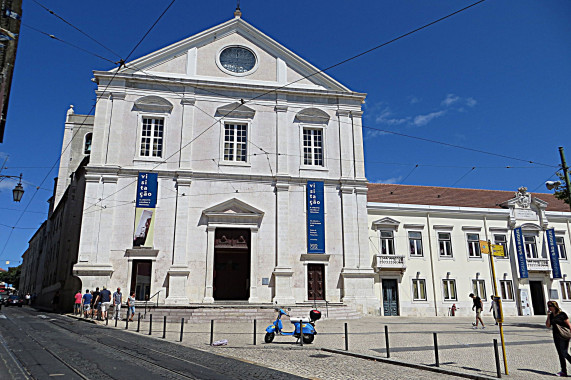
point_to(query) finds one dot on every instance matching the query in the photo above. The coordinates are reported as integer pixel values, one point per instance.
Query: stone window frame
(235, 121)
(156, 116)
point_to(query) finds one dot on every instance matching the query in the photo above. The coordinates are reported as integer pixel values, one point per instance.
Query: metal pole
(115, 321)
(254, 332)
(491, 252)
(346, 338)
(211, 331)
(181, 328)
(436, 349)
(300, 333)
(387, 341)
(164, 326)
(107, 320)
(150, 324)
(565, 174)
(498, 369)
(139, 323)
(127, 322)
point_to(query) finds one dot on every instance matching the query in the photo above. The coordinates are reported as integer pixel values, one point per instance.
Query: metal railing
(389, 261)
(150, 298)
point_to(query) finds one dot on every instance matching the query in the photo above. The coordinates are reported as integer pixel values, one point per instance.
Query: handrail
(150, 298)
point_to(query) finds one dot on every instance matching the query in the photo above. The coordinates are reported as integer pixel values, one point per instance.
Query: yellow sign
(498, 250)
(484, 247)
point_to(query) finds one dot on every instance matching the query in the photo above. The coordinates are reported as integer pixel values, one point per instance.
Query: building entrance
(390, 298)
(231, 264)
(141, 279)
(537, 297)
(315, 282)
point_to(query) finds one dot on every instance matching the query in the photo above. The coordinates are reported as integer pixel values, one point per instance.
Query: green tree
(562, 192)
(12, 276)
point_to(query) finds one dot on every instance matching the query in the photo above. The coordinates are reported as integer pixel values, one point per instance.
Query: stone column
(209, 285)
(90, 220)
(186, 133)
(283, 271)
(282, 128)
(253, 265)
(356, 116)
(106, 226)
(346, 144)
(116, 125)
(348, 217)
(100, 132)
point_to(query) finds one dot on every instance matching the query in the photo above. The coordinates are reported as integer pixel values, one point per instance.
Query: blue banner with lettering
(315, 218)
(147, 190)
(521, 260)
(553, 253)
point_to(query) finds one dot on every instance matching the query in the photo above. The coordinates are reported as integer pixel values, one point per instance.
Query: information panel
(553, 253)
(521, 260)
(145, 209)
(315, 217)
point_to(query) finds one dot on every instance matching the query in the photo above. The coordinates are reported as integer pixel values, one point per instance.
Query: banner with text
(147, 185)
(315, 217)
(521, 260)
(553, 253)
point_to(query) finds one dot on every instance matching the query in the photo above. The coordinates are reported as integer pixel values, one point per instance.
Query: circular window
(237, 59)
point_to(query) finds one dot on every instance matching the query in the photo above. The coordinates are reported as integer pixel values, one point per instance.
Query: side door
(390, 298)
(315, 282)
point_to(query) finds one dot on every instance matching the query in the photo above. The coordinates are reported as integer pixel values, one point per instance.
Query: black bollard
(301, 333)
(150, 324)
(387, 341)
(436, 350)
(254, 332)
(107, 320)
(181, 328)
(211, 331)
(346, 338)
(164, 326)
(115, 320)
(127, 323)
(498, 369)
(139, 323)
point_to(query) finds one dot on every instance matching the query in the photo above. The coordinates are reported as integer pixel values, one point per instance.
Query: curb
(411, 365)
(79, 318)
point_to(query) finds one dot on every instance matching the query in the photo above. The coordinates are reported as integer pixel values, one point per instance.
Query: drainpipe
(431, 263)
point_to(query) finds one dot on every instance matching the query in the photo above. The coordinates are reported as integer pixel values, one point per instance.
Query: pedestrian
(87, 297)
(493, 310)
(28, 297)
(117, 299)
(95, 302)
(131, 305)
(557, 317)
(105, 297)
(77, 306)
(478, 306)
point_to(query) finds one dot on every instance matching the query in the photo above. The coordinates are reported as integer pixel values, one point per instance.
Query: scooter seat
(299, 319)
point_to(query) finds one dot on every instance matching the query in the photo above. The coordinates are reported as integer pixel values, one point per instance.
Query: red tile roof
(448, 196)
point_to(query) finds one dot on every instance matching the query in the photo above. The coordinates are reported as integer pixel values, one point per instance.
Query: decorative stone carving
(523, 198)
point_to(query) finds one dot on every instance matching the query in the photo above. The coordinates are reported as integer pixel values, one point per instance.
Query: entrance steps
(236, 311)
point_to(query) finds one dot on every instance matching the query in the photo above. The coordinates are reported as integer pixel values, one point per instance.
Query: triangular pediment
(387, 222)
(196, 58)
(233, 207)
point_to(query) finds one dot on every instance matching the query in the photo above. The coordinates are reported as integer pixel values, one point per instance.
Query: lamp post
(18, 190)
(555, 184)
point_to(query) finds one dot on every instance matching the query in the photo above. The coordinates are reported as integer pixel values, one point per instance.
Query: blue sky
(494, 78)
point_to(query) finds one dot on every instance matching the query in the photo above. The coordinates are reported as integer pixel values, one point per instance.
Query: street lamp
(552, 184)
(18, 190)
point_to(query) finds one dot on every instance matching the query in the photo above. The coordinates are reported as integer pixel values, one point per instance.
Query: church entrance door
(231, 264)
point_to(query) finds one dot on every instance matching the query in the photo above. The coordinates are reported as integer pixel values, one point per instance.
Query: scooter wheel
(308, 339)
(269, 338)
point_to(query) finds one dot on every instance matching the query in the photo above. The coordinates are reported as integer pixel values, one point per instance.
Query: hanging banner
(553, 253)
(147, 185)
(521, 260)
(315, 218)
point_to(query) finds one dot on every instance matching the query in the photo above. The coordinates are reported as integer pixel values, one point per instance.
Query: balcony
(538, 265)
(389, 262)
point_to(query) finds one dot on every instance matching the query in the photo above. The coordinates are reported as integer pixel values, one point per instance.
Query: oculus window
(237, 59)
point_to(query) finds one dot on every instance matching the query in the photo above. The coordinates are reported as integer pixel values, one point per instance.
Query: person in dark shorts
(478, 306)
(557, 317)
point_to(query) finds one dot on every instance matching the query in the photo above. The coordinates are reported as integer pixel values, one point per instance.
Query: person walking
(87, 297)
(117, 299)
(95, 302)
(558, 318)
(493, 310)
(77, 306)
(478, 306)
(105, 297)
(131, 306)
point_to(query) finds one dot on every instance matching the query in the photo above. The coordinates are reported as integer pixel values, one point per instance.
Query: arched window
(87, 144)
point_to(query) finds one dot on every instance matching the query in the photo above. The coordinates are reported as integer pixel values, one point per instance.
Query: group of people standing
(97, 304)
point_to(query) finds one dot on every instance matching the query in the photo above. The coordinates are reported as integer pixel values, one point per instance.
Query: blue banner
(521, 260)
(315, 218)
(147, 190)
(553, 253)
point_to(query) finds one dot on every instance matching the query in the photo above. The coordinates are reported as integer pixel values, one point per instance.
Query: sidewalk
(529, 345)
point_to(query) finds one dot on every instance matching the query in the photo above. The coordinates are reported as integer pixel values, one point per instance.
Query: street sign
(498, 250)
(484, 247)
(497, 308)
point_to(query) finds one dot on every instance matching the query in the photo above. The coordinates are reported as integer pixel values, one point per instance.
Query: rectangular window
(387, 243)
(418, 290)
(479, 288)
(235, 142)
(152, 137)
(474, 245)
(506, 290)
(445, 244)
(312, 147)
(500, 239)
(530, 247)
(449, 287)
(566, 290)
(415, 243)
(560, 241)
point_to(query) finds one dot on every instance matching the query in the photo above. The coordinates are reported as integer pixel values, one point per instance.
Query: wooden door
(315, 282)
(390, 298)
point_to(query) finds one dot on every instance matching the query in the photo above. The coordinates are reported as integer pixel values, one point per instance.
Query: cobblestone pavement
(529, 346)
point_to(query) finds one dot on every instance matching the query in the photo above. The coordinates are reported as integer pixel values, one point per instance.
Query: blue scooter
(307, 326)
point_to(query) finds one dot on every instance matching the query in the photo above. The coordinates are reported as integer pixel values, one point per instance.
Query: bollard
(498, 370)
(181, 328)
(436, 349)
(387, 341)
(115, 321)
(211, 331)
(164, 326)
(346, 338)
(301, 333)
(139, 323)
(254, 332)
(127, 322)
(150, 324)
(107, 320)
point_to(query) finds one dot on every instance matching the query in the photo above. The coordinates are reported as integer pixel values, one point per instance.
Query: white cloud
(471, 102)
(449, 100)
(421, 120)
(392, 180)
(413, 99)
(385, 118)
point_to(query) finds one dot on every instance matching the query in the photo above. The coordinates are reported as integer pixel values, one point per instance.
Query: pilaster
(346, 153)
(116, 134)
(187, 130)
(356, 117)
(282, 128)
(209, 286)
(283, 272)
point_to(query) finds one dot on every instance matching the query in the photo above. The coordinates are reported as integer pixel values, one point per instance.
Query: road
(35, 345)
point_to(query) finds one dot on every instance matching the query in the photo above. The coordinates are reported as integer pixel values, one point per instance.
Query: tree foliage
(12, 276)
(562, 192)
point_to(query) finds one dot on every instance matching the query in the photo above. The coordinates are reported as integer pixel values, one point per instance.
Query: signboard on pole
(553, 253)
(147, 185)
(497, 309)
(498, 250)
(521, 260)
(315, 217)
